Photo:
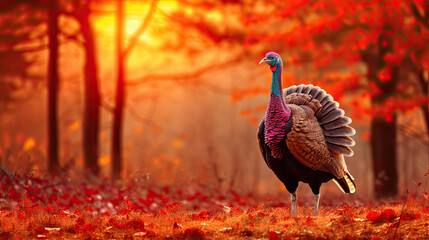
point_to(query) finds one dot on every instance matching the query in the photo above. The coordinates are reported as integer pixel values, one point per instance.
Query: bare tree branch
(27, 50)
(72, 37)
(142, 28)
(136, 116)
(19, 183)
(182, 76)
(107, 106)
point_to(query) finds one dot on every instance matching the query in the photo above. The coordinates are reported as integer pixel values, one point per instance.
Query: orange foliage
(340, 37)
(238, 94)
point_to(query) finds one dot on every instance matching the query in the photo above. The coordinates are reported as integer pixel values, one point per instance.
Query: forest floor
(60, 208)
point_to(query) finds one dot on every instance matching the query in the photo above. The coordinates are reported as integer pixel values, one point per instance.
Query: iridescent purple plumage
(277, 113)
(276, 116)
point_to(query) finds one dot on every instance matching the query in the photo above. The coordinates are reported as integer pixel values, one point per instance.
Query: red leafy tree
(377, 49)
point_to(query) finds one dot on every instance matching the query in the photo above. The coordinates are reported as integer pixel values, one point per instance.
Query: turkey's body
(288, 169)
(304, 136)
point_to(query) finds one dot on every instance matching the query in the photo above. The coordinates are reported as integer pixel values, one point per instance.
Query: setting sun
(135, 13)
(131, 26)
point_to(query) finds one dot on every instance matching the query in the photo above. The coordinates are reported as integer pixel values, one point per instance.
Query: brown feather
(307, 143)
(330, 117)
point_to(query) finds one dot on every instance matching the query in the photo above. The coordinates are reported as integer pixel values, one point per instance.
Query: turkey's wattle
(304, 136)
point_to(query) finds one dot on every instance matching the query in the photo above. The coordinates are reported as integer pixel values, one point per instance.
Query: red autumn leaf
(204, 214)
(424, 210)
(65, 196)
(163, 212)
(75, 200)
(388, 214)
(42, 230)
(373, 216)
(27, 201)
(273, 236)
(50, 209)
(128, 203)
(87, 227)
(410, 216)
(78, 212)
(88, 209)
(166, 189)
(251, 216)
(405, 217)
(151, 195)
(89, 192)
(262, 214)
(308, 220)
(236, 210)
(21, 215)
(165, 200)
(124, 211)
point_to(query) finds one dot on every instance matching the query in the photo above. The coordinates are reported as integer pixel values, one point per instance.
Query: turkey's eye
(271, 57)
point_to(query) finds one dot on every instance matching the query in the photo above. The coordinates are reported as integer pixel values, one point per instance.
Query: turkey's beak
(264, 60)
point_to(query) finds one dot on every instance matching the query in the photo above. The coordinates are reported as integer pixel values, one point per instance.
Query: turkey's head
(273, 60)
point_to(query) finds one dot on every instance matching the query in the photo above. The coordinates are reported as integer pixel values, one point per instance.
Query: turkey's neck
(276, 104)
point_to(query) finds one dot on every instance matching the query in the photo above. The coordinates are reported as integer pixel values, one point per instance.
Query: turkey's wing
(307, 143)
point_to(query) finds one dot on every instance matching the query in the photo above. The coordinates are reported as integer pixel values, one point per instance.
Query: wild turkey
(304, 136)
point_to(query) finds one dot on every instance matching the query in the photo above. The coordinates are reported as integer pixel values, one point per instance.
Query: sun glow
(131, 26)
(135, 14)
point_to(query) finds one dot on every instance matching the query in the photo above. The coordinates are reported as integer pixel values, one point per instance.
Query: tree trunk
(120, 96)
(383, 143)
(383, 132)
(424, 84)
(425, 110)
(91, 117)
(53, 87)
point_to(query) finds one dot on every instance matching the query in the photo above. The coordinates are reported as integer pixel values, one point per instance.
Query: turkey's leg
(293, 203)
(316, 205)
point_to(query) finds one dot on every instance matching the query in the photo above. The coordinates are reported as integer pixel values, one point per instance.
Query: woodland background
(170, 92)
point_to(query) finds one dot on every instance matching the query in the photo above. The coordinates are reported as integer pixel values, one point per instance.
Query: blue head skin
(275, 63)
(273, 59)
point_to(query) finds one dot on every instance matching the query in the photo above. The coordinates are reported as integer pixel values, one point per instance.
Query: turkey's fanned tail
(331, 118)
(346, 183)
